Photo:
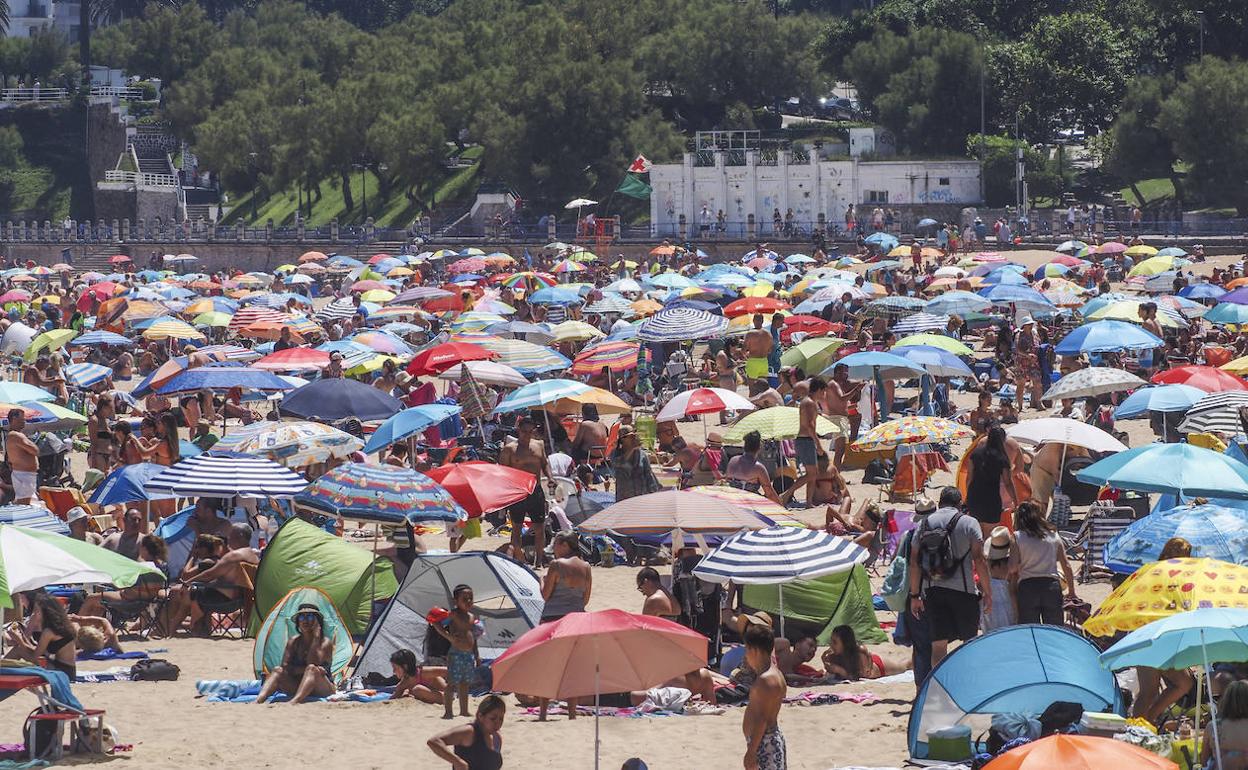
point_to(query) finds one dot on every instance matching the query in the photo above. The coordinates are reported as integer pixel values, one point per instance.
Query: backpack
(936, 557)
(154, 670)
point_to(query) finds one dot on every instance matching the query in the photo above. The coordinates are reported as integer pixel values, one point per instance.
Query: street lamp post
(251, 160)
(1200, 15)
(983, 62)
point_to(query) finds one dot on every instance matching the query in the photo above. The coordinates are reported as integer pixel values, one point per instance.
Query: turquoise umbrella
(1184, 640)
(1183, 469)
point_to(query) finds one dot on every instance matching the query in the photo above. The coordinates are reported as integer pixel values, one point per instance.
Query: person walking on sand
(764, 749)
(528, 454)
(462, 630)
(476, 746)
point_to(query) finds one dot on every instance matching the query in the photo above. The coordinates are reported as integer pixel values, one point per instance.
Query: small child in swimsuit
(461, 630)
(420, 682)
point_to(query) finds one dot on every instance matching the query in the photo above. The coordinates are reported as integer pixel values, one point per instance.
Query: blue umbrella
(540, 393)
(1106, 336)
(1228, 313)
(1171, 251)
(337, 399)
(222, 378)
(467, 278)
(409, 422)
(1239, 296)
(680, 324)
(125, 485)
(1020, 296)
(555, 295)
(1098, 302)
(1006, 277)
(865, 365)
(1179, 468)
(957, 303)
(884, 241)
(343, 261)
(1163, 398)
(380, 493)
(33, 517)
(1200, 291)
(695, 304)
(937, 361)
(16, 392)
(101, 337)
(669, 281)
(187, 449)
(1215, 532)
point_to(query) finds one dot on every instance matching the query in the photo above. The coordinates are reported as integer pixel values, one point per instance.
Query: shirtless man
(126, 540)
(840, 406)
(746, 472)
(528, 454)
(791, 655)
(23, 458)
(764, 748)
(758, 344)
(205, 521)
(220, 582)
(810, 452)
(658, 601)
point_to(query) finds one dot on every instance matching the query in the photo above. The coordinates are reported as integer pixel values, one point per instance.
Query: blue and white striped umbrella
(33, 517)
(921, 322)
(680, 323)
(101, 337)
(86, 374)
(779, 555)
(540, 393)
(227, 475)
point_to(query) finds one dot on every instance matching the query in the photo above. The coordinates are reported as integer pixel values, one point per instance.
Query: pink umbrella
(703, 401)
(15, 295)
(565, 659)
(1113, 247)
(368, 285)
(1068, 260)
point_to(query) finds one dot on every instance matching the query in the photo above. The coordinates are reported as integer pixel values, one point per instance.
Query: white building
(26, 16)
(753, 183)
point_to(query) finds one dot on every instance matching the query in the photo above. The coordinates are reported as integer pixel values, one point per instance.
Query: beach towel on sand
(108, 653)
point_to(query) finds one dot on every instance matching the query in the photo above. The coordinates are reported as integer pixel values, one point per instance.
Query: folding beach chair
(230, 616)
(1103, 523)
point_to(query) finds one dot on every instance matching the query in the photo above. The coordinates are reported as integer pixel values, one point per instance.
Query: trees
(1204, 118)
(923, 86)
(1135, 148)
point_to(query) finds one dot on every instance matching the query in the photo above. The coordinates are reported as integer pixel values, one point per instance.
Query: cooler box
(949, 744)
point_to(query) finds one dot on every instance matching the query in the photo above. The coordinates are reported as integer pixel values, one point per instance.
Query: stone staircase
(154, 165)
(94, 256)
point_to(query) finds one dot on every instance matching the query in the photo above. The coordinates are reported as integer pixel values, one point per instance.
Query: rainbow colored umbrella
(380, 493)
(912, 430)
(619, 357)
(529, 281)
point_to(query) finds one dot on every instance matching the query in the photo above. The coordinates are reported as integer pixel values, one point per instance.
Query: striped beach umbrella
(619, 357)
(525, 357)
(679, 324)
(85, 375)
(921, 322)
(172, 329)
(101, 337)
(912, 430)
(227, 475)
(381, 493)
(292, 444)
(294, 360)
(1093, 381)
(1216, 413)
(779, 555)
(341, 308)
(253, 314)
(33, 517)
(488, 372)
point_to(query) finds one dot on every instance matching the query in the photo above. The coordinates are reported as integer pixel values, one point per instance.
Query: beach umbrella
(555, 295)
(380, 493)
(1129, 310)
(1216, 413)
(774, 423)
(946, 343)
(678, 512)
(525, 357)
(1093, 381)
(338, 309)
(755, 306)
(1078, 752)
(488, 372)
(1182, 469)
(680, 324)
(125, 484)
(871, 363)
(1021, 297)
(588, 653)
(223, 377)
(619, 357)
(1071, 246)
(1227, 314)
(1207, 378)
(85, 375)
(884, 241)
(481, 487)
(16, 392)
(1106, 336)
(574, 331)
(51, 340)
(35, 517)
(912, 430)
(409, 422)
(1215, 532)
(422, 293)
(336, 399)
(1061, 430)
(703, 401)
(101, 337)
(605, 401)
(213, 318)
(935, 361)
(895, 307)
(957, 303)
(294, 360)
(1164, 398)
(383, 343)
(1172, 586)
(1153, 265)
(920, 322)
(226, 475)
(1203, 290)
(292, 444)
(538, 394)
(166, 329)
(33, 558)
(441, 357)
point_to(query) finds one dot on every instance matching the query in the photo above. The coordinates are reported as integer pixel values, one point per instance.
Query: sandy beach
(167, 726)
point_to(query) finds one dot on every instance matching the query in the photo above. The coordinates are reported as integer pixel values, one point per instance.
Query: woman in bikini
(129, 450)
(49, 635)
(846, 659)
(424, 683)
(305, 668)
(102, 449)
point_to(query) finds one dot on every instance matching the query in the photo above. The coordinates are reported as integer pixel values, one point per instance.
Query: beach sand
(169, 727)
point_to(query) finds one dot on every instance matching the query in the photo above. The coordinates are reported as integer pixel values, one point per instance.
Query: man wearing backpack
(946, 555)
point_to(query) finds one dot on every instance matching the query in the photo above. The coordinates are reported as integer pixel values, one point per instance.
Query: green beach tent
(301, 554)
(279, 627)
(829, 601)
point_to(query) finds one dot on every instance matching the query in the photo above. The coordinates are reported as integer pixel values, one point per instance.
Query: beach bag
(1059, 716)
(1059, 514)
(154, 670)
(896, 587)
(936, 557)
(1010, 726)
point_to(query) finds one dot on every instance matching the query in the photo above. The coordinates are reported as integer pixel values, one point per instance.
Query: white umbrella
(1093, 381)
(703, 401)
(489, 372)
(17, 338)
(577, 203)
(1049, 430)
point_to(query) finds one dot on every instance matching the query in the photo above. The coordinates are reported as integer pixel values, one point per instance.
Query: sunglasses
(307, 617)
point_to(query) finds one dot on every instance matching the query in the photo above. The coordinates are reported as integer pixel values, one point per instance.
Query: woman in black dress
(989, 468)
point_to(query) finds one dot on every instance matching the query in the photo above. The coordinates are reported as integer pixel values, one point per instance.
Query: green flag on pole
(632, 186)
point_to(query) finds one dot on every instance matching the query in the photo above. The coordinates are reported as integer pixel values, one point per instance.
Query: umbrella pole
(780, 591)
(596, 710)
(1213, 708)
(372, 572)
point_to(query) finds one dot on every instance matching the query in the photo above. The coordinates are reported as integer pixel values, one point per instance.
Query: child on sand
(420, 682)
(462, 630)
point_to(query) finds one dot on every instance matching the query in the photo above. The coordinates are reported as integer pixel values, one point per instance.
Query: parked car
(838, 108)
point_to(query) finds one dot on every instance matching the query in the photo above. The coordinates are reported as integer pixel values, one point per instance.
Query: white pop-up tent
(507, 596)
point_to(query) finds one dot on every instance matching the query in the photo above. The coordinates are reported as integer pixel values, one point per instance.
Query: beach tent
(279, 626)
(302, 554)
(1020, 669)
(507, 596)
(843, 599)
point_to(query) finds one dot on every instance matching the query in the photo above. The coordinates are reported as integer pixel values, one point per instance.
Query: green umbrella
(777, 422)
(941, 341)
(813, 355)
(30, 559)
(52, 340)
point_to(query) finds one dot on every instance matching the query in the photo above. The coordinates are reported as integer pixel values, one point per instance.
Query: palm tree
(92, 12)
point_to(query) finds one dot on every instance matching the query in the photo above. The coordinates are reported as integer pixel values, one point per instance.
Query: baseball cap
(75, 514)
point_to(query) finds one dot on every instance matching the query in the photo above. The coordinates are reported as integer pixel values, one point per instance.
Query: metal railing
(36, 95)
(119, 92)
(141, 178)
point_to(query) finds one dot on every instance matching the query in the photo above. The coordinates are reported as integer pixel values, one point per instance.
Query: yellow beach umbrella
(1129, 310)
(1140, 251)
(606, 401)
(380, 296)
(1164, 588)
(171, 328)
(285, 268)
(53, 340)
(574, 331)
(1152, 266)
(214, 318)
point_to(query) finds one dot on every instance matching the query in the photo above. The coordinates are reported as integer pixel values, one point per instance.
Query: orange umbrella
(312, 256)
(663, 251)
(754, 305)
(1235, 284)
(269, 330)
(645, 307)
(1078, 752)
